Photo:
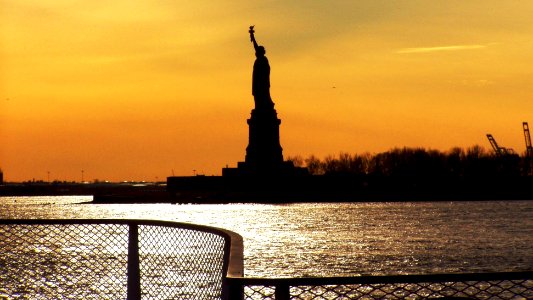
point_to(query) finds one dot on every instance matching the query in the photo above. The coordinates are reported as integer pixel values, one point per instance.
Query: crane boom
(529, 149)
(527, 136)
(497, 149)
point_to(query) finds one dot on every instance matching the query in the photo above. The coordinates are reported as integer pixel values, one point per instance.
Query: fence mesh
(473, 290)
(177, 264)
(489, 289)
(63, 261)
(260, 292)
(90, 261)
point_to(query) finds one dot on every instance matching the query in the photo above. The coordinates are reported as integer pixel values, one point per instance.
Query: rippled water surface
(338, 239)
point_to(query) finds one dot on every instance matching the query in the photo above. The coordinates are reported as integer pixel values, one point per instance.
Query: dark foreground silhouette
(276, 190)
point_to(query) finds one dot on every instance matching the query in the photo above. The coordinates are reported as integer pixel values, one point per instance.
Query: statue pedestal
(264, 150)
(264, 155)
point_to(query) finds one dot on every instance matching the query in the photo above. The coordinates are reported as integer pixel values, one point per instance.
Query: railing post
(233, 290)
(134, 274)
(282, 291)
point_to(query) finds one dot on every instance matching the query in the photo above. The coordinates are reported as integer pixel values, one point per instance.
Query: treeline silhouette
(419, 163)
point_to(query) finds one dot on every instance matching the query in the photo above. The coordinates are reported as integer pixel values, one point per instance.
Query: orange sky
(139, 90)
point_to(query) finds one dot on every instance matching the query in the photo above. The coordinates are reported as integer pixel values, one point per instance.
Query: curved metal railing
(116, 259)
(134, 259)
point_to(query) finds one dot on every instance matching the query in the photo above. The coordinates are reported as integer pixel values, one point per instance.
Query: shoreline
(299, 191)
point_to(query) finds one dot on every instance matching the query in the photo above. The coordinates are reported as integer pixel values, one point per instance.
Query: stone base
(285, 168)
(264, 155)
(264, 150)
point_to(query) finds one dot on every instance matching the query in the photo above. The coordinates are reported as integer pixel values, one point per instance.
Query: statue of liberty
(264, 154)
(260, 76)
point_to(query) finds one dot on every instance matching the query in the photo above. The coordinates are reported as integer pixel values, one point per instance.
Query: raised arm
(252, 37)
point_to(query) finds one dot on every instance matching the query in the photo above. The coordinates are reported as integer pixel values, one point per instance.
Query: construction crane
(529, 149)
(527, 136)
(494, 145)
(500, 151)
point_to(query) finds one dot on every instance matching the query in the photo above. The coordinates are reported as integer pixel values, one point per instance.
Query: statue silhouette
(264, 154)
(260, 76)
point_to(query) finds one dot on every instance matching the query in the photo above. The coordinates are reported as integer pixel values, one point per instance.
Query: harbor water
(338, 239)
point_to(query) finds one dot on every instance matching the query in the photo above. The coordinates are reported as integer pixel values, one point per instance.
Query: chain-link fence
(111, 259)
(511, 285)
(134, 259)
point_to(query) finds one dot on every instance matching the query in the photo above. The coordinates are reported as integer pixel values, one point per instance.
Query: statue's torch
(251, 31)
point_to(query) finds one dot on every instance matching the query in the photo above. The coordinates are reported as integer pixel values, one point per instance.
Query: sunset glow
(142, 90)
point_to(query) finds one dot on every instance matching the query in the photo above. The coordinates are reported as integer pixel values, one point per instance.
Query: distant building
(1, 177)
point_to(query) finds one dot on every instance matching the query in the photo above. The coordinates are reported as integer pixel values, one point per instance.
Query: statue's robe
(261, 82)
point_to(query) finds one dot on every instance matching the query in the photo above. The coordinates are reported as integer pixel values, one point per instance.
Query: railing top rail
(204, 228)
(376, 279)
(233, 240)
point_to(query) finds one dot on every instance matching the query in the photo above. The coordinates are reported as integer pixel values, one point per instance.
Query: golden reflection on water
(339, 239)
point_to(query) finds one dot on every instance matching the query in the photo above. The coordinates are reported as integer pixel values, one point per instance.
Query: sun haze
(141, 90)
